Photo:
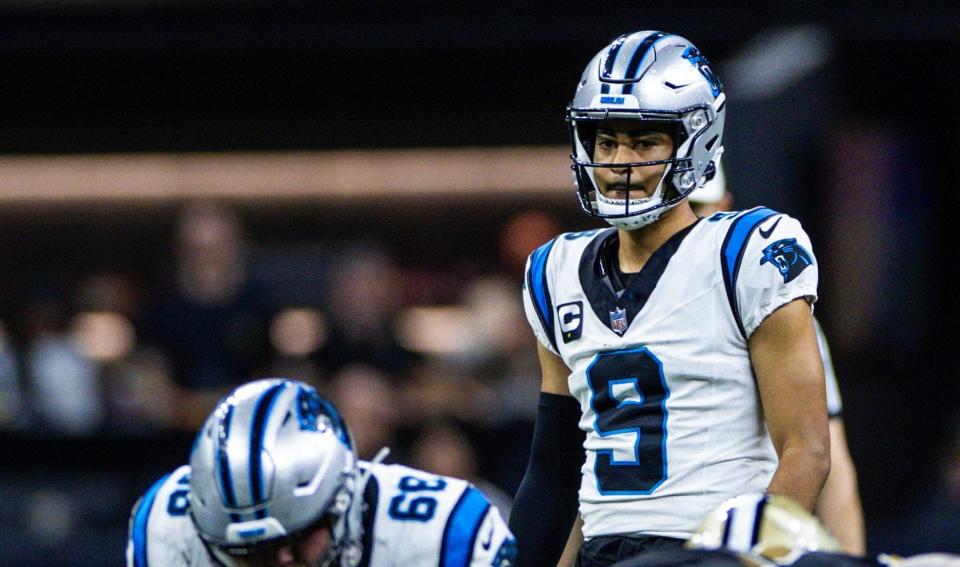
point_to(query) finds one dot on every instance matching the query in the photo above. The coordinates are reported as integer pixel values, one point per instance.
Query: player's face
(627, 141)
(303, 551)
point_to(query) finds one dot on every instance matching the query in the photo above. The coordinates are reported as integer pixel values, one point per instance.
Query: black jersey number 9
(628, 396)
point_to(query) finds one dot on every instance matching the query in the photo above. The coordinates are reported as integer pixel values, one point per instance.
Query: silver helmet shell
(274, 459)
(655, 77)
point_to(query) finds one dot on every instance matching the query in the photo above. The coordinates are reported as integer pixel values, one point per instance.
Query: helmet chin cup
(634, 222)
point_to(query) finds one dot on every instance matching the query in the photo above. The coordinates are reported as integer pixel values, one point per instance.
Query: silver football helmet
(652, 77)
(771, 529)
(274, 461)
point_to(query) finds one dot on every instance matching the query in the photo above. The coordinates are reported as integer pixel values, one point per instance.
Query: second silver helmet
(274, 459)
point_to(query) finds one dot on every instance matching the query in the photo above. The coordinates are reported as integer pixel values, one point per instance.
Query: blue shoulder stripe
(539, 291)
(460, 534)
(731, 253)
(140, 520)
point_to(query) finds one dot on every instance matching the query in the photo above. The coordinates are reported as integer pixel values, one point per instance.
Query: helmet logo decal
(693, 55)
(788, 256)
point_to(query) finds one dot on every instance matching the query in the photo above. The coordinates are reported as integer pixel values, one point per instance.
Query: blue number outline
(635, 430)
(414, 512)
(179, 501)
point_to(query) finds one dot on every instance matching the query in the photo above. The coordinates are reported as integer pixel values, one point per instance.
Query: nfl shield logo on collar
(618, 320)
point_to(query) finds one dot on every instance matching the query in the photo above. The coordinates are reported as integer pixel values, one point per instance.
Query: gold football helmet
(767, 527)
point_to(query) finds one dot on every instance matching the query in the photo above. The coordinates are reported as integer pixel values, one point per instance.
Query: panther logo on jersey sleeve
(788, 257)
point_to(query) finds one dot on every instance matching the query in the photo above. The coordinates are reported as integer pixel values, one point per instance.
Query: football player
(679, 352)
(764, 530)
(768, 530)
(274, 481)
(838, 506)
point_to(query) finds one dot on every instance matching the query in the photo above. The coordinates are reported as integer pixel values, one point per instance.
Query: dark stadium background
(862, 148)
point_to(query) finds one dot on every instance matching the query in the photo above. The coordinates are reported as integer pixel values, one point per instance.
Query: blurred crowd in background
(401, 351)
(440, 368)
(123, 321)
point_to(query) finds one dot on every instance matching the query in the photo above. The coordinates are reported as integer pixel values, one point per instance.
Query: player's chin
(623, 192)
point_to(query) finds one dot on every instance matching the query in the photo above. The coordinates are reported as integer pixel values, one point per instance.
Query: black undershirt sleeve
(546, 502)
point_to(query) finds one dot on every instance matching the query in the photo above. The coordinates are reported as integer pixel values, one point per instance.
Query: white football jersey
(834, 401)
(411, 518)
(671, 411)
(161, 531)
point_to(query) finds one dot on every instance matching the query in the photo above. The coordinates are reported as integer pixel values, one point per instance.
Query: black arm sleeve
(546, 502)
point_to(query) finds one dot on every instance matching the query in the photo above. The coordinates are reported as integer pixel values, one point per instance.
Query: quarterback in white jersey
(669, 402)
(371, 514)
(679, 352)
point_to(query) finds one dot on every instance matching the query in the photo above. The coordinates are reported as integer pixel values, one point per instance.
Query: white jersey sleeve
(834, 402)
(537, 297)
(768, 261)
(161, 532)
(418, 518)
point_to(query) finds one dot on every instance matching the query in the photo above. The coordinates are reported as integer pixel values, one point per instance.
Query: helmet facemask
(616, 190)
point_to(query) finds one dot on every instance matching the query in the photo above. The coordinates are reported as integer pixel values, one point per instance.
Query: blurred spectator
(443, 448)
(296, 334)
(934, 524)
(523, 233)
(367, 398)
(502, 348)
(362, 296)
(440, 388)
(13, 410)
(64, 384)
(209, 319)
(137, 389)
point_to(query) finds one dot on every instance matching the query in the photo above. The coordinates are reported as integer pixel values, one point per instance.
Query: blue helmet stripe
(260, 417)
(612, 57)
(731, 255)
(638, 56)
(537, 287)
(460, 533)
(227, 493)
(140, 520)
